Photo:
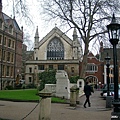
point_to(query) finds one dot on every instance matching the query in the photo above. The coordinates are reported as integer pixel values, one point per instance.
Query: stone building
(11, 38)
(54, 51)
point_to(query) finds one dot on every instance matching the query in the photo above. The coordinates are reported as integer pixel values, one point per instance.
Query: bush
(47, 77)
(9, 87)
(74, 79)
(30, 86)
(18, 86)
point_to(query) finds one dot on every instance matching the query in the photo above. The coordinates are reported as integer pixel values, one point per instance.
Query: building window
(1, 23)
(40, 67)
(60, 67)
(72, 69)
(13, 44)
(4, 54)
(51, 67)
(55, 50)
(12, 57)
(36, 58)
(10, 29)
(11, 72)
(91, 67)
(4, 40)
(9, 42)
(8, 56)
(3, 70)
(8, 71)
(30, 70)
(30, 79)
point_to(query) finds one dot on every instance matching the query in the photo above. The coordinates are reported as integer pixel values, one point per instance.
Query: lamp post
(108, 98)
(114, 33)
(107, 59)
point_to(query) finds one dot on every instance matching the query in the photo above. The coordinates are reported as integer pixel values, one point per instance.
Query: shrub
(9, 87)
(47, 77)
(74, 79)
(30, 86)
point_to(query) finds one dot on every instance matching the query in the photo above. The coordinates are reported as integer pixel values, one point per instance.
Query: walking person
(87, 90)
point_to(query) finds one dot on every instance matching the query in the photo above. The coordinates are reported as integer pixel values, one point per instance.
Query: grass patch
(24, 95)
(19, 94)
(58, 100)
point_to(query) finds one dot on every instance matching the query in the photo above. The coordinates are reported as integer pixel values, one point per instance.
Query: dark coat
(87, 90)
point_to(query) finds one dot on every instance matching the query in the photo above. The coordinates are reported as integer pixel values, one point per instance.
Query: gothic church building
(55, 51)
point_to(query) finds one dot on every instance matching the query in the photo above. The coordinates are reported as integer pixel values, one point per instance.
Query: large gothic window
(55, 50)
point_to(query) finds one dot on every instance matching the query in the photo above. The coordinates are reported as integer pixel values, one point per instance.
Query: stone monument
(62, 85)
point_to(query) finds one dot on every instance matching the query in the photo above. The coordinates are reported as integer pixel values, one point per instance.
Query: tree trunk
(84, 62)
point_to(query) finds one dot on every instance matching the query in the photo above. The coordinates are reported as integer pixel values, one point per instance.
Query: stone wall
(62, 87)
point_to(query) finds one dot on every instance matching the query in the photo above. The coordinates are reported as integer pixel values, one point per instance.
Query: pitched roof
(57, 31)
(8, 19)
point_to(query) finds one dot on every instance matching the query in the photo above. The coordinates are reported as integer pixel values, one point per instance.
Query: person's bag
(92, 89)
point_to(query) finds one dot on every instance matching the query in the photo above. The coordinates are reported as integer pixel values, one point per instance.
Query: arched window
(55, 49)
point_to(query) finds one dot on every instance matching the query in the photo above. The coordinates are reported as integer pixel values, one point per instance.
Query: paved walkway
(97, 111)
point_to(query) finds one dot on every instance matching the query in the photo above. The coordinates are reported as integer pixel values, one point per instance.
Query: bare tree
(90, 17)
(27, 40)
(21, 12)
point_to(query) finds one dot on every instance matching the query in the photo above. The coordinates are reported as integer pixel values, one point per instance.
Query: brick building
(94, 70)
(11, 39)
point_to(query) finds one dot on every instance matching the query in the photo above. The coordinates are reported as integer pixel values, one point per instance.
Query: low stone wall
(63, 85)
(52, 89)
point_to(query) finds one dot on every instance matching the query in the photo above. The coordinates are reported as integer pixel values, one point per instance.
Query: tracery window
(55, 50)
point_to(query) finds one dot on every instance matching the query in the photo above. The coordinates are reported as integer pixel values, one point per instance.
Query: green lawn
(24, 95)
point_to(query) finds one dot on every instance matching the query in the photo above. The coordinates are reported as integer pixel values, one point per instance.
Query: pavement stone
(97, 111)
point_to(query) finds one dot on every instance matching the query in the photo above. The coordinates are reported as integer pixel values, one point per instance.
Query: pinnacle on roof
(37, 34)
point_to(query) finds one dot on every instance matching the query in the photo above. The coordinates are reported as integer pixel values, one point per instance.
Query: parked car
(104, 88)
(105, 94)
(111, 94)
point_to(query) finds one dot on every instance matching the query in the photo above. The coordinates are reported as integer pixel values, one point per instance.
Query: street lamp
(107, 59)
(114, 33)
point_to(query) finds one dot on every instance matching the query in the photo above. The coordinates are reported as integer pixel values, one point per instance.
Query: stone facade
(54, 51)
